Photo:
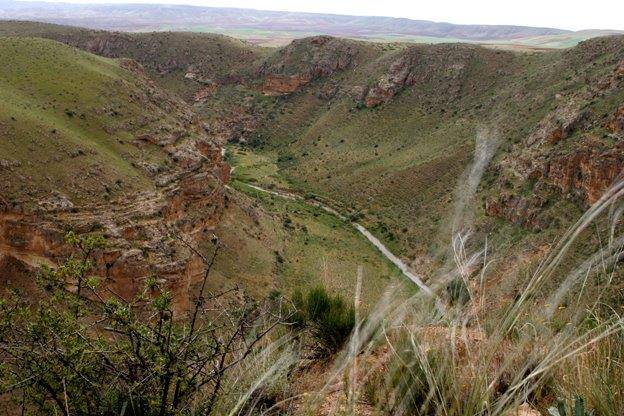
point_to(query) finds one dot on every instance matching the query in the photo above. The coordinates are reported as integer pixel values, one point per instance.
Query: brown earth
(144, 231)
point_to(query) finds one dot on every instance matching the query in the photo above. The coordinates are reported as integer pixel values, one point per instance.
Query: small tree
(82, 350)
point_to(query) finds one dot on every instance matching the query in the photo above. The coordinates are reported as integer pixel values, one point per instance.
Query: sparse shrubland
(495, 358)
(512, 321)
(67, 114)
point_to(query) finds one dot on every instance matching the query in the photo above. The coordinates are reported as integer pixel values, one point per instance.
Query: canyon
(333, 224)
(339, 114)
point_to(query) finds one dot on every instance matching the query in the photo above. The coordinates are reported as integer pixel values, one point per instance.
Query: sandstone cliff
(576, 151)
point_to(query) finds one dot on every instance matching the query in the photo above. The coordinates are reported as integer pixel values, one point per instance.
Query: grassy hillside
(277, 245)
(399, 162)
(70, 122)
(166, 56)
(74, 123)
(204, 69)
(386, 131)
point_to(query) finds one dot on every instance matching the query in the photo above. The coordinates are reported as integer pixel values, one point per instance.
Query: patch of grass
(298, 246)
(301, 245)
(253, 167)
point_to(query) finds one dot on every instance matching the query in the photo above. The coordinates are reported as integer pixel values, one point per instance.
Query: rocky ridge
(147, 232)
(304, 60)
(446, 66)
(572, 150)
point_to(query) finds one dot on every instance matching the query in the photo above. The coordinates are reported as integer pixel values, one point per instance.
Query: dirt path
(361, 229)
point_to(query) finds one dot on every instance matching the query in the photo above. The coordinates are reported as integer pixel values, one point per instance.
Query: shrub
(83, 352)
(328, 317)
(420, 381)
(458, 292)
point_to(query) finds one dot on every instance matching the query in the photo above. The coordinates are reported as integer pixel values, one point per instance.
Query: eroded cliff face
(303, 61)
(146, 231)
(576, 152)
(148, 228)
(275, 84)
(588, 170)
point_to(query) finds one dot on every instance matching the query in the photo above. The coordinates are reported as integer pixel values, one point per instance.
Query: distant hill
(278, 28)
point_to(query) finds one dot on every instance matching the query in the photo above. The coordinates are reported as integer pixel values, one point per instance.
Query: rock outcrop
(145, 231)
(582, 173)
(588, 170)
(149, 226)
(517, 209)
(559, 124)
(303, 61)
(398, 77)
(616, 123)
(204, 93)
(275, 84)
(576, 150)
(442, 66)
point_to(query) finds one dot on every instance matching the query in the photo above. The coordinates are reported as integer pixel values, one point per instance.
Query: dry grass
(423, 355)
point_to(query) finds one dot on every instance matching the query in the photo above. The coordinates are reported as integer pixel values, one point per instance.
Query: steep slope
(184, 62)
(390, 132)
(116, 155)
(386, 131)
(197, 67)
(399, 128)
(91, 144)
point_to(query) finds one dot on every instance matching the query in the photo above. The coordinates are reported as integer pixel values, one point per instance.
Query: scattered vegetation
(316, 247)
(491, 357)
(487, 343)
(68, 114)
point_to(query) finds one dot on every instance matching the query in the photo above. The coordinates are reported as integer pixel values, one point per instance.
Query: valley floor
(280, 240)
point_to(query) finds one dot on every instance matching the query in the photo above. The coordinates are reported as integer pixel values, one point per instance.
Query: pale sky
(564, 14)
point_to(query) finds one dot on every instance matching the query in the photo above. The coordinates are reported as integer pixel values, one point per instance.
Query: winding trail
(361, 229)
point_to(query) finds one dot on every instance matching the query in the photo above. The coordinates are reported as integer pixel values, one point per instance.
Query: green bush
(458, 292)
(329, 318)
(420, 382)
(76, 350)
